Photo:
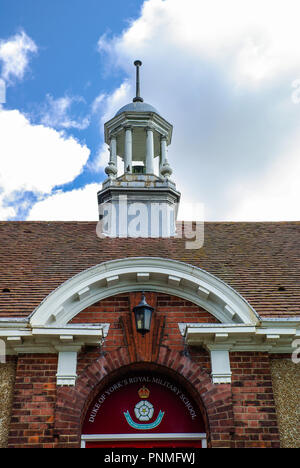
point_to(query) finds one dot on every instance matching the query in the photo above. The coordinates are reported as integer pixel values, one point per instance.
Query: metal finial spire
(138, 98)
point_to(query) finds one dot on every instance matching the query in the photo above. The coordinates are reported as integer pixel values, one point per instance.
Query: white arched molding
(138, 274)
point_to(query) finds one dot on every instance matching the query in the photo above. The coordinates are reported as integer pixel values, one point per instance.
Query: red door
(143, 403)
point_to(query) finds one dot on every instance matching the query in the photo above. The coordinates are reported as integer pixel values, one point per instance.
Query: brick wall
(239, 415)
(34, 402)
(253, 401)
(174, 310)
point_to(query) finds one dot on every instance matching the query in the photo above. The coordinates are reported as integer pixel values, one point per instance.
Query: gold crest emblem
(144, 392)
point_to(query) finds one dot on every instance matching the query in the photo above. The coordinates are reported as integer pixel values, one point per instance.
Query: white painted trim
(138, 437)
(66, 368)
(195, 329)
(264, 337)
(83, 293)
(220, 366)
(144, 436)
(49, 339)
(117, 276)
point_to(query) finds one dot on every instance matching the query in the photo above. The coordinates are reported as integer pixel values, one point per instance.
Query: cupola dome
(137, 107)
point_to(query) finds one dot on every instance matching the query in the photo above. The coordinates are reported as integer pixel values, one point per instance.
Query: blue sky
(225, 73)
(67, 62)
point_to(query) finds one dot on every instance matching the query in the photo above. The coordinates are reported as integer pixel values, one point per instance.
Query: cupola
(138, 134)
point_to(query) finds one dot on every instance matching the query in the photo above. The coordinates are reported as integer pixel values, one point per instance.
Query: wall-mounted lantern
(143, 315)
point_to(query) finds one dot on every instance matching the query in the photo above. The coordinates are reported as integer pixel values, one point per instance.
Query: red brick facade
(238, 415)
(34, 401)
(253, 401)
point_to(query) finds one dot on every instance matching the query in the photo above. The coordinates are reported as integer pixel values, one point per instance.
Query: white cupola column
(113, 150)
(149, 151)
(111, 170)
(128, 150)
(163, 152)
(165, 170)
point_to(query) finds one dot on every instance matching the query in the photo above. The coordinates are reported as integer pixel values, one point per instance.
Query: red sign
(143, 403)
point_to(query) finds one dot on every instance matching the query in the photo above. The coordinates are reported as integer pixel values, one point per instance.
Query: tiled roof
(260, 260)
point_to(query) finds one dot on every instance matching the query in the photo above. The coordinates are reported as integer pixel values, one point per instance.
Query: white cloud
(6, 212)
(98, 103)
(2, 92)
(226, 75)
(35, 158)
(115, 100)
(56, 113)
(101, 160)
(254, 36)
(75, 205)
(14, 54)
(109, 104)
(275, 195)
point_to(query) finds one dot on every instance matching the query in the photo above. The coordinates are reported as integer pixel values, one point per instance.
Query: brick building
(215, 367)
